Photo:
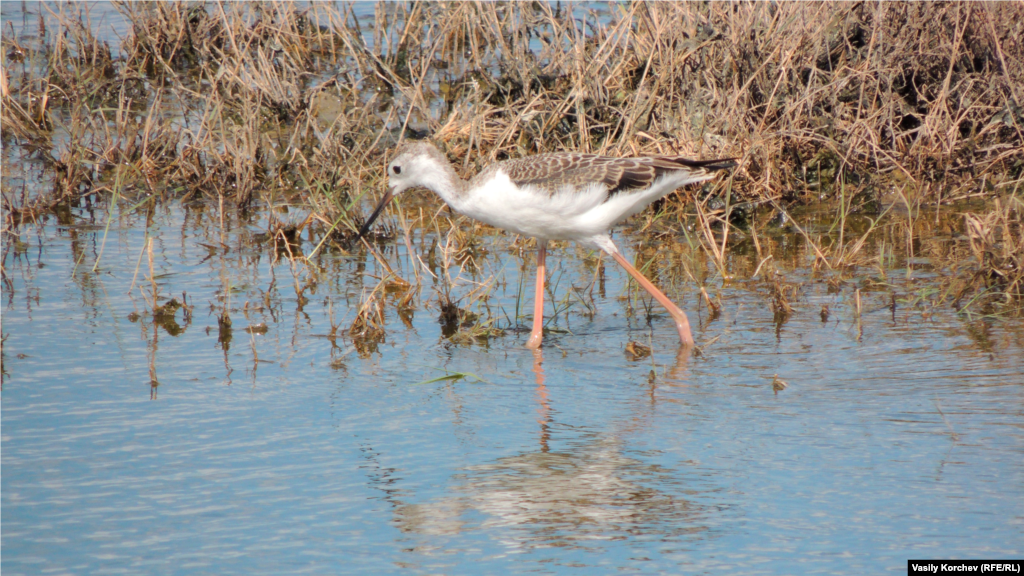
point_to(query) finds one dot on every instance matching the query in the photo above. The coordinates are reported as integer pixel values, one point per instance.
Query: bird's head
(415, 164)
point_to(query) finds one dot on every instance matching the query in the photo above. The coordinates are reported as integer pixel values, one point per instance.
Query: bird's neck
(442, 179)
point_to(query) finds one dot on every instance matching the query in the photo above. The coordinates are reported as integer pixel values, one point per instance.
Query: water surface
(130, 447)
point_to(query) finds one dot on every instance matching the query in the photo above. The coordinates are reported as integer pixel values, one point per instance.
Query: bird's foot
(685, 337)
(534, 342)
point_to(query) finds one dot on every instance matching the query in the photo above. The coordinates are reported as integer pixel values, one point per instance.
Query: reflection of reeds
(458, 322)
(997, 244)
(779, 295)
(367, 329)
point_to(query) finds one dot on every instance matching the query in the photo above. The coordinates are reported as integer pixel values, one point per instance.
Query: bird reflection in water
(590, 491)
(543, 408)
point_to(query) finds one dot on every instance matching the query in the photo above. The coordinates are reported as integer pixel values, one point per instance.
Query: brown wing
(551, 172)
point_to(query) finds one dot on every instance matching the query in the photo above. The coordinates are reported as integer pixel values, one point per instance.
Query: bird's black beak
(376, 212)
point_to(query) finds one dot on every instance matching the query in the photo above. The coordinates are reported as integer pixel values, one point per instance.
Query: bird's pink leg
(538, 300)
(682, 323)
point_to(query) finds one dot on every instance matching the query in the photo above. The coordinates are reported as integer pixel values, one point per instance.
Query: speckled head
(415, 164)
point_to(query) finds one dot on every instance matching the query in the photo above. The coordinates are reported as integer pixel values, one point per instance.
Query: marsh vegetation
(879, 117)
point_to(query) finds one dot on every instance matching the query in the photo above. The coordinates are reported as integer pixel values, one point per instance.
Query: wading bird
(559, 196)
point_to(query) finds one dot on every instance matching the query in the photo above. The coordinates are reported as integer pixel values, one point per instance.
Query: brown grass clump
(997, 245)
(780, 294)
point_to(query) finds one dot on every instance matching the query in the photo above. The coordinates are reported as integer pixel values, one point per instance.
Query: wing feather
(553, 172)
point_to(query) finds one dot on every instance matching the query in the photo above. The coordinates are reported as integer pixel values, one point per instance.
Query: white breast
(530, 211)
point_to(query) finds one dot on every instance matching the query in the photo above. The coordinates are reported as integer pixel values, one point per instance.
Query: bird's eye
(396, 169)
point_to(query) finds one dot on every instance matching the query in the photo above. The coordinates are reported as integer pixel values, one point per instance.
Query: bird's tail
(712, 165)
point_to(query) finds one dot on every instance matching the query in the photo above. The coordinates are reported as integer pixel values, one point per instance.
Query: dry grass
(807, 94)
(857, 105)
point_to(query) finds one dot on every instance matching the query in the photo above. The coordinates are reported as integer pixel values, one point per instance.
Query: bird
(553, 196)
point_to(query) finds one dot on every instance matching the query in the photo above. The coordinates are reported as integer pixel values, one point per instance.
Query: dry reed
(857, 105)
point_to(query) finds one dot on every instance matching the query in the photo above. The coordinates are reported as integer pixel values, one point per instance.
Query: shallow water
(895, 440)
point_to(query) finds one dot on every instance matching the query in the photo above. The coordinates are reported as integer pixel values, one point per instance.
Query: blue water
(317, 460)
